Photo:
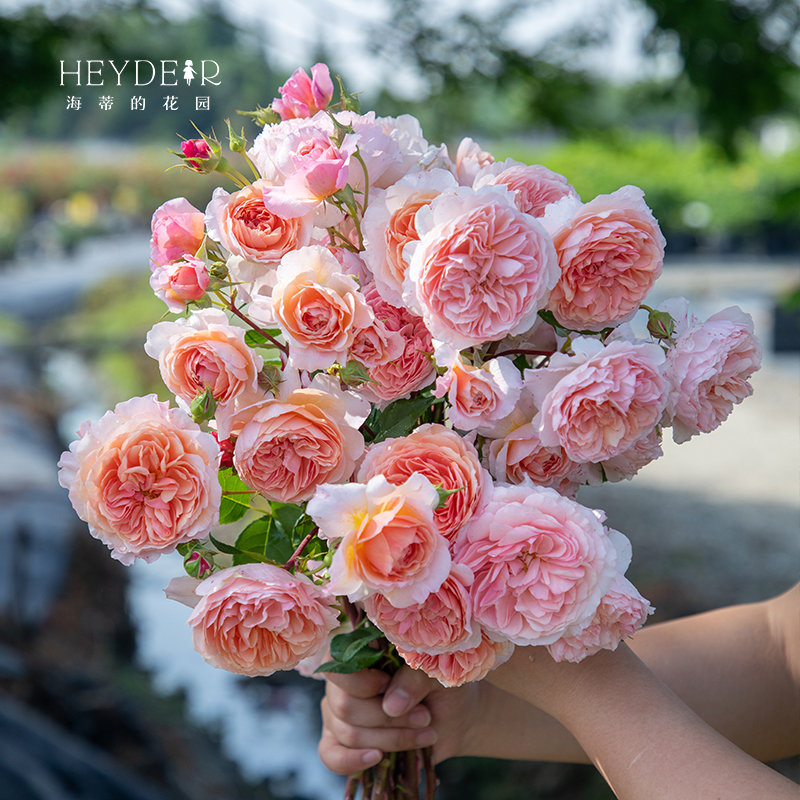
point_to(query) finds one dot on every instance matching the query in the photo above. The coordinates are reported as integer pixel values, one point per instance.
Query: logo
(95, 72)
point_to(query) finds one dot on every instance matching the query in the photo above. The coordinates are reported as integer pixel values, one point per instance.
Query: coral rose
(144, 477)
(597, 403)
(205, 352)
(180, 282)
(386, 536)
(445, 459)
(610, 254)
(621, 612)
(482, 269)
(286, 448)
(256, 619)
(463, 666)
(177, 230)
(708, 368)
(243, 224)
(440, 624)
(317, 308)
(541, 562)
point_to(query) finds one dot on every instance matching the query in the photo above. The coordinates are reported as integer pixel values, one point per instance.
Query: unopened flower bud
(197, 565)
(203, 407)
(218, 270)
(201, 155)
(660, 325)
(262, 116)
(226, 447)
(236, 141)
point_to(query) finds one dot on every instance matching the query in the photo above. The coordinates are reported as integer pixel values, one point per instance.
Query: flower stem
(302, 546)
(282, 347)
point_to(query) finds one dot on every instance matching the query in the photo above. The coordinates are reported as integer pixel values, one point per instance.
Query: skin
(721, 692)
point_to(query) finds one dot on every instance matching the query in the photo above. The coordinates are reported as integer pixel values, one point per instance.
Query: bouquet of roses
(401, 366)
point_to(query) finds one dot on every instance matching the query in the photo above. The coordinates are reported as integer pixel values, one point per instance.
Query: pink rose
(464, 666)
(243, 224)
(386, 536)
(440, 624)
(302, 96)
(286, 449)
(541, 562)
(470, 160)
(256, 619)
(445, 459)
(318, 308)
(197, 154)
(376, 345)
(520, 455)
(535, 187)
(389, 226)
(205, 352)
(479, 396)
(610, 254)
(412, 369)
(708, 368)
(144, 477)
(621, 612)
(624, 466)
(177, 230)
(597, 403)
(179, 282)
(481, 270)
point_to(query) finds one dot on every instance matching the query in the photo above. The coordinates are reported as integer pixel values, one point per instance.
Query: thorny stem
(351, 787)
(522, 352)
(302, 546)
(282, 347)
(430, 775)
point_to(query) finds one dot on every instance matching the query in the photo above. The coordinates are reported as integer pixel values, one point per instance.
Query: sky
(291, 29)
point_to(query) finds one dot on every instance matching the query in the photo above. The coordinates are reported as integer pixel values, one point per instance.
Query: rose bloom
(376, 345)
(243, 224)
(479, 396)
(610, 254)
(463, 666)
(302, 96)
(625, 465)
(445, 459)
(286, 448)
(412, 369)
(481, 270)
(179, 282)
(534, 186)
(144, 477)
(317, 308)
(415, 152)
(177, 230)
(541, 562)
(205, 352)
(388, 226)
(255, 619)
(386, 536)
(440, 624)
(708, 368)
(470, 160)
(621, 612)
(597, 403)
(520, 455)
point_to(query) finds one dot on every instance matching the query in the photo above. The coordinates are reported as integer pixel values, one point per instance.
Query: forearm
(644, 740)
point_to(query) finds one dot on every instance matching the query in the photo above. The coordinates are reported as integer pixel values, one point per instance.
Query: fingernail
(396, 702)
(426, 738)
(420, 718)
(371, 757)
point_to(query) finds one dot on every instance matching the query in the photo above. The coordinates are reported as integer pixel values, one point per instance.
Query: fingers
(364, 684)
(407, 689)
(367, 712)
(345, 760)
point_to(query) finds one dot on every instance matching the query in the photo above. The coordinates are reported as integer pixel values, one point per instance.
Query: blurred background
(101, 695)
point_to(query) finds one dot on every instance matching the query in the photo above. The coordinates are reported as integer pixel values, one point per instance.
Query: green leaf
(550, 319)
(521, 363)
(401, 417)
(257, 339)
(232, 507)
(364, 660)
(266, 539)
(245, 557)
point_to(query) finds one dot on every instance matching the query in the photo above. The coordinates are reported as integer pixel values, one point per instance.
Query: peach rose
(412, 369)
(144, 477)
(462, 666)
(445, 459)
(610, 254)
(535, 187)
(479, 396)
(205, 352)
(440, 624)
(482, 269)
(620, 614)
(386, 539)
(541, 562)
(180, 282)
(597, 403)
(317, 308)
(177, 230)
(708, 368)
(286, 448)
(244, 226)
(256, 619)
(389, 226)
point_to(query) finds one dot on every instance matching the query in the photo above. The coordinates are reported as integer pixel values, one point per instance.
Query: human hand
(368, 713)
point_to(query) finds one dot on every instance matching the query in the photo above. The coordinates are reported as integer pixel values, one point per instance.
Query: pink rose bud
(197, 566)
(203, 407)
(660, 325)
(226, 451)
(201, 155)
